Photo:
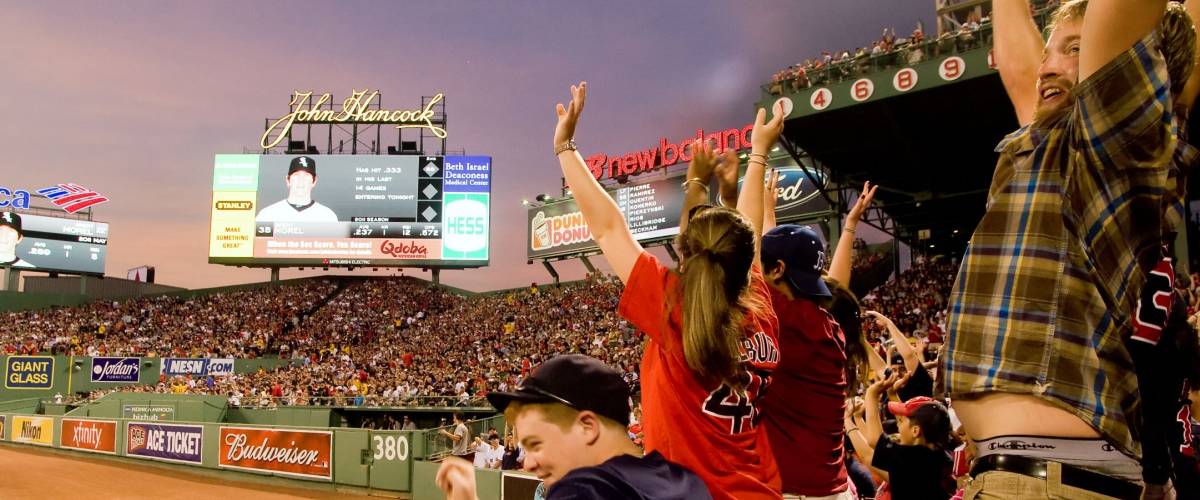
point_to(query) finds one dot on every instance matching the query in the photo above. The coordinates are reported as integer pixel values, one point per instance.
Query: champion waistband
(1092, 454)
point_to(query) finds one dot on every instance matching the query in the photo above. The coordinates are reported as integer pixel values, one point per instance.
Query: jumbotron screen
(39, 243)
(351, 210)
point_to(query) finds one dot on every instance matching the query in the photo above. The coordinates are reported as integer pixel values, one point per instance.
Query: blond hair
(718, 250)
(1070, 10)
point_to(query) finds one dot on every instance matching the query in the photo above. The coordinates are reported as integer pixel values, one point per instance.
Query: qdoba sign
(290, 452)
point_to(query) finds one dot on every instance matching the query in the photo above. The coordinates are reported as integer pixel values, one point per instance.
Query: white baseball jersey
(282, 211)
(17, 263)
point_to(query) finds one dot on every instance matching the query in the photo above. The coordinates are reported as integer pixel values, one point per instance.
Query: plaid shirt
(1042, 302)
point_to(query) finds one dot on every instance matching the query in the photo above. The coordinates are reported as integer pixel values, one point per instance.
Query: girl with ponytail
(712, 334)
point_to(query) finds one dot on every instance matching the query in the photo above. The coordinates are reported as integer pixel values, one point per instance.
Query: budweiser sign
(290, 452)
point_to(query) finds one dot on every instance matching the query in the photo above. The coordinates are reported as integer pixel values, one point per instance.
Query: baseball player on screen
(299, 205)
(10, 235)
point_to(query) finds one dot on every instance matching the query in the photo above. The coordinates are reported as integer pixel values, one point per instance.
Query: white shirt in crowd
(483, 453)
(282, 211)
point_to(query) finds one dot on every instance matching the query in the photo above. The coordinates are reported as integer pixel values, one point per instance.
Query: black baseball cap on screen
(575, 380)
(303, 163)
(12, 220)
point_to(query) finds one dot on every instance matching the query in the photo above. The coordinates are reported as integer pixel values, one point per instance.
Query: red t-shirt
(805, 405)
(705, 428)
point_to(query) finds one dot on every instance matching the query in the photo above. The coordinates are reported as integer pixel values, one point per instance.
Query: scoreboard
(57, 244)
(357, 210)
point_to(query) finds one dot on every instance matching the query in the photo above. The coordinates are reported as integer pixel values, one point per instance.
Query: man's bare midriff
(1001, 414)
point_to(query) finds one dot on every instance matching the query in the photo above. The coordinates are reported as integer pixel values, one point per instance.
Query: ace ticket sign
(29, 372)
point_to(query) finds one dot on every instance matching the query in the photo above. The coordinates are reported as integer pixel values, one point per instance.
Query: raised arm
(769, 199)
(911, 360)
(603, 217)
(1018, 53)
(843, 256)
(762, 138)
(1111, 27)
(699, 176)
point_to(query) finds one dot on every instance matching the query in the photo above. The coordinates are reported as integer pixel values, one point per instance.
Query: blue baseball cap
(803, 256)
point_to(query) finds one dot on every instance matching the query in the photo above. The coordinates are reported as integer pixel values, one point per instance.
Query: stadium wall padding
(383, 460)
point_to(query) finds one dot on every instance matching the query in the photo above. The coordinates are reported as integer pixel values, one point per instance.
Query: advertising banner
(98, 436)
(57, 244)
(115, 370)
(33, 430)
(652, 210)
(198, 367)
(173, 443)
(29, 372)
(365, 209)
(2, 422)
(291, 452)
(148, 412)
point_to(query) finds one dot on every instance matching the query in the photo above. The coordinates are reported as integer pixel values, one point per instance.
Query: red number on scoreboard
(951, 68)
(862, 90)
(821, 99)
(905, 80)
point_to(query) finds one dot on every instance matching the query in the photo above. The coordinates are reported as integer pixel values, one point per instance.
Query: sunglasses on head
(697, 209)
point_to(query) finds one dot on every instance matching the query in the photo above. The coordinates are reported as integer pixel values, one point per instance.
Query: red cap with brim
(907, 408)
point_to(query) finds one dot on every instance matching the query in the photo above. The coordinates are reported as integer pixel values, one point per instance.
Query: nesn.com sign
(197, 366)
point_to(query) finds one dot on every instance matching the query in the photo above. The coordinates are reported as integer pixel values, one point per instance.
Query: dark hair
(845, 310)
(934, 421)
(458, 417)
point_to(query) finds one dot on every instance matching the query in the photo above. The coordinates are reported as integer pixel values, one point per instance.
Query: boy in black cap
(10, 235)
(299, 205)
(571, 415)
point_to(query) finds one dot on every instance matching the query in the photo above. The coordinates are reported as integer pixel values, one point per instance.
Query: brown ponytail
(718, 249)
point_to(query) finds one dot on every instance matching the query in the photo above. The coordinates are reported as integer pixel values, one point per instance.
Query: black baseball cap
(581, 382)
(803, 256)
(305, 163)
(11, 219)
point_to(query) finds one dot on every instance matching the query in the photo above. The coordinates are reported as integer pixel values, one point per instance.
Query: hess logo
(466, 223)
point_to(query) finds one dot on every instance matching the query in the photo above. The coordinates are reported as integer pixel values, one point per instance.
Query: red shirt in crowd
(805, 405)
(708, 429)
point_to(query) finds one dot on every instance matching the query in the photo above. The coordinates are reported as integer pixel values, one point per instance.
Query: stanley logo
(235, 205)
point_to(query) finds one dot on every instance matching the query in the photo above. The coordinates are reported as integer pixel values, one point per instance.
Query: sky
(133, 98)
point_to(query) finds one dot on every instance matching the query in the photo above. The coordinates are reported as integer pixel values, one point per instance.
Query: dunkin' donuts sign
(291, 452)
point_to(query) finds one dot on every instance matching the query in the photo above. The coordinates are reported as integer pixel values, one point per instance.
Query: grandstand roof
(931, 152)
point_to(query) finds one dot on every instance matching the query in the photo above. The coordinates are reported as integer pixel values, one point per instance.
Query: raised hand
(568, 116)
(456, 478)
(703, 163)
(860, 206)
(881, 320)
(765, 133)
(727, 174)
(770, 196)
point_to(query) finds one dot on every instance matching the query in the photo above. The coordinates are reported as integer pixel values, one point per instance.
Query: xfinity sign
(116, 370)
